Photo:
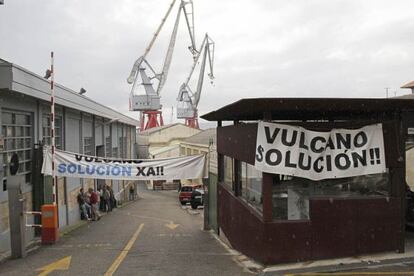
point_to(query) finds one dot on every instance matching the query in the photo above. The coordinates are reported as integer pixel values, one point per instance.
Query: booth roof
(310, 109)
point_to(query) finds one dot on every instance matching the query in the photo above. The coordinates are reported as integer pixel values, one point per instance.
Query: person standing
(94, 201)
(83, 205)
(131, 191)
(106, 195)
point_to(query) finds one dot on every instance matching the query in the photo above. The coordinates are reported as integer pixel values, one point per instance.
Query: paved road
(152, 236)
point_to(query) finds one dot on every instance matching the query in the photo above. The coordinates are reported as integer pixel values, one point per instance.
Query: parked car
(185, 193)
(197, 198)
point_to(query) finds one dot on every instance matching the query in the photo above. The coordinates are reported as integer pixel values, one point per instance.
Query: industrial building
(82, 126)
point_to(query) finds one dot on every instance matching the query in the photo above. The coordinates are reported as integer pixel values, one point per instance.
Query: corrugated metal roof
(308, 109)
(408, 85)
(21, 80)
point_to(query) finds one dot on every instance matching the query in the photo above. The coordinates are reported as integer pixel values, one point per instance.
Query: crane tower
(188, 99)
(143, 74)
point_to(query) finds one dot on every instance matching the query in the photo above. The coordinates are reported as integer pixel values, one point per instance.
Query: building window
(123, 147)
(182, 151)
(87, 146)
(46, 130)
(17, 129)
(108, 146)
(251, 186)
(115, 152)
(290, 195)
(228, 172)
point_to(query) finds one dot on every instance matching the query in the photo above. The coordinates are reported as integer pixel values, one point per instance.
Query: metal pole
(52, 124)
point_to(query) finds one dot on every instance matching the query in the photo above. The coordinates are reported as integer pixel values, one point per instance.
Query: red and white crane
(149, 103)
(188, 99)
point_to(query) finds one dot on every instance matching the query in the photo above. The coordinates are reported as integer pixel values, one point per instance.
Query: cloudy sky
(264, 48)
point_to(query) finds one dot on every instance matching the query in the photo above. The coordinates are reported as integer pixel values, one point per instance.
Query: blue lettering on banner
(62, 168)
(100, 170)
(126, 171)
(116, 170)
(71, 168)
(80, 171)
(90, 169)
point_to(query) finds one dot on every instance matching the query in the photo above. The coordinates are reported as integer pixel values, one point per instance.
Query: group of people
(91, 202)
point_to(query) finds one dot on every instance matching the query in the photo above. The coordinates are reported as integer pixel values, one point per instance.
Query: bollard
(50, 233)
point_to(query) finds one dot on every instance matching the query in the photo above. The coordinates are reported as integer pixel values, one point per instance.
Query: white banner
(84, 166)
(291, 150)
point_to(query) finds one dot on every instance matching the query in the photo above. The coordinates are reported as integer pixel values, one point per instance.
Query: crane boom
(168, 56)
(139, 60)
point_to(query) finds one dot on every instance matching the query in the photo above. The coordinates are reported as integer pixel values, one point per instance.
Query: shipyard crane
(149, 104)
(188, 98)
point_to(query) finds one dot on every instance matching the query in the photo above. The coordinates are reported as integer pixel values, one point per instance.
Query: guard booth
(276, 217)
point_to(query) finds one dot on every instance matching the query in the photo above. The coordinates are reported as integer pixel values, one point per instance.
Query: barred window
(87, 146)
(17, 129)
(115, 152)
(46, 130)
(108, 146)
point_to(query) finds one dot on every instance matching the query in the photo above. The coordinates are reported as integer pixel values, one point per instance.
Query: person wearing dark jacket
(83, 205)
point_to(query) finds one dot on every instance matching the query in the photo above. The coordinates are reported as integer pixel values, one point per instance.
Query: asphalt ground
(152, 236)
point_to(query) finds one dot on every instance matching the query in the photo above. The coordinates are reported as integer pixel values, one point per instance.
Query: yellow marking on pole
(172, 225)
(124, 252)
(62, 264)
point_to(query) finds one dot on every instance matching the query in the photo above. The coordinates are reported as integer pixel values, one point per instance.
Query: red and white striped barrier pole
(52, 124)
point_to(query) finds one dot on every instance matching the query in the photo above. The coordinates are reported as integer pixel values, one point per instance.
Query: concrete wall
(169, 136)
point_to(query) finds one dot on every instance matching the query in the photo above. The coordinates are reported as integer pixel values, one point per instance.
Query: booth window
(409, 161)
(228, 172)
(290, 195)
(251, 186)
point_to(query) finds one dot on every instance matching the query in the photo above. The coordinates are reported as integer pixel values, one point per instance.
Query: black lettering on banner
(344, 157)
(271, 138)
(98, 160)
(141, 171)
(269, 157)
(330, 143)
(329, 163)
(358, 158)
(343, 141)
(151, 171)
(292, 139)
(287, 160)
(88, 158)
(377, 154)
(316, 166)
(313, 144)
(78, 157)
(302, 144)
(259, 155)
(301, 159)
(360, 136)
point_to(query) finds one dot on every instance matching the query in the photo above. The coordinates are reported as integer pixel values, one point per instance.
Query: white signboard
(84, 166)
(291, 150)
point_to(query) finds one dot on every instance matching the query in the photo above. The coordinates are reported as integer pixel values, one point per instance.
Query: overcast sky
(264, 48)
